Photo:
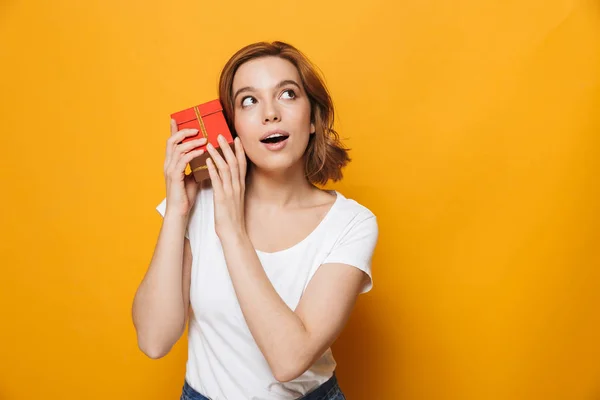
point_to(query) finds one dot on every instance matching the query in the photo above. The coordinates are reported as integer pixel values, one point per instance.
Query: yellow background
(475, 134)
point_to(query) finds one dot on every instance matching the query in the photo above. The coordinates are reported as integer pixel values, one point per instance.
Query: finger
(174, 150)
(177, 138)
(180, 135)
(215, 179)
(183, 161)
(169, 146)
(232, 162)
(223, 168)
(187, 146)
(241, 158)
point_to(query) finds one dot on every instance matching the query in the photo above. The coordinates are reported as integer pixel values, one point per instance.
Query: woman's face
(272, 113)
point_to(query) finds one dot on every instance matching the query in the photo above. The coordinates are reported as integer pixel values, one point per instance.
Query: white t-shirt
(224, 362)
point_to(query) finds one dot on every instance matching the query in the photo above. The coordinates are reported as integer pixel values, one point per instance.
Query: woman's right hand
(181, 188)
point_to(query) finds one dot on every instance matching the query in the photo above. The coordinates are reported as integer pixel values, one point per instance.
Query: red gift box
(208, 118)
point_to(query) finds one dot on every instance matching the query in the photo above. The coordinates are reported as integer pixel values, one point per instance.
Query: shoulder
(351, 210)
(353, 237)
(350, 221)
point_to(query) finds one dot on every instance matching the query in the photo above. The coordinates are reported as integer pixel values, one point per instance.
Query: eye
(292, 93)
(246, 103)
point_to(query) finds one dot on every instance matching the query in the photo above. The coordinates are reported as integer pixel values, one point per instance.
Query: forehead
(264, 73)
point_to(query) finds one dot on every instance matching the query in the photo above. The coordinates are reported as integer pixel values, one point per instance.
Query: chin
(276, 163)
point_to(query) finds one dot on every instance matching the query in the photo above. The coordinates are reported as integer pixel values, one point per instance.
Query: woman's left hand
(228, 178)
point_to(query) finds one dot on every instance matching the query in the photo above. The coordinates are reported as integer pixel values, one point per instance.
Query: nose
(271, 113)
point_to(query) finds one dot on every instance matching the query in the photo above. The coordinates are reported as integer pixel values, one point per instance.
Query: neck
(278, 189)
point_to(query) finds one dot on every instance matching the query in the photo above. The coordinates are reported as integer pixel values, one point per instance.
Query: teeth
(274, 135)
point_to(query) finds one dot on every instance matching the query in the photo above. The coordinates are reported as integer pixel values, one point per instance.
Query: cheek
(300, 115)
(243, 124)
(245, 127)
(307, 113)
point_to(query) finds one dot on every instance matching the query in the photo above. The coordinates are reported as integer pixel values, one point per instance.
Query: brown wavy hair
(325, 155)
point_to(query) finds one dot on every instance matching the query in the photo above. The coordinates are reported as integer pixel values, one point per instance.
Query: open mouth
(277, 138)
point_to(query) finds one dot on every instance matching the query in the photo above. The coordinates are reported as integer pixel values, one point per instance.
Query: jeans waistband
(323, 392)
(189, 393)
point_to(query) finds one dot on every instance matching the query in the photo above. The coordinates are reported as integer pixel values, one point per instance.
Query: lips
(275, 136)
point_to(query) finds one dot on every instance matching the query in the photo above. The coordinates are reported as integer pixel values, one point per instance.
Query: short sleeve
(162, 208)
(356, 246)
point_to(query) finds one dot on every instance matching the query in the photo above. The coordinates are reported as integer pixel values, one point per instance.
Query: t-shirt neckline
(312, 233)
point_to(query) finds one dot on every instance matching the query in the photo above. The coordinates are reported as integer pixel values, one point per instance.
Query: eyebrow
(279, 85)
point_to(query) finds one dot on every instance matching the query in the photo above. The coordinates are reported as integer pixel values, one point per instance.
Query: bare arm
(292, 341)
(161, 304)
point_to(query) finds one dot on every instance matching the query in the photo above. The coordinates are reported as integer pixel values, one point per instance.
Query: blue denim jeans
(329, 390)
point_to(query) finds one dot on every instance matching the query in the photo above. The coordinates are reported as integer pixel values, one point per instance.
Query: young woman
(265, 265)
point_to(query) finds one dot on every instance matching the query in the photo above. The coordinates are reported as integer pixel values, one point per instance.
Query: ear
(312, 128)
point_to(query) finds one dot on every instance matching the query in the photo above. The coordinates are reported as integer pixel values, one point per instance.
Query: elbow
(154, 353)
(292, 362)
(286, 372)
(284, 376)
(153, 349)
(156, 343)
(287, 375)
